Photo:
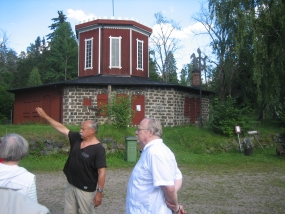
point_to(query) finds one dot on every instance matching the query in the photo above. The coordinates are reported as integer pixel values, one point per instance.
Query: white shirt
(18, 179)
(156, 167)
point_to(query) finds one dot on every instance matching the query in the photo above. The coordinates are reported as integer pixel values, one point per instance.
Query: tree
(6, 104)
(8, 62)
(35, 58)
(34, 78)
(220, 29)
(172, 76)
(163, 42)
(62, 59)
(153, 75)
(56, 22)
(8, 69)
(256, 33)
(268, 38)
(8, 57)
(185, 75)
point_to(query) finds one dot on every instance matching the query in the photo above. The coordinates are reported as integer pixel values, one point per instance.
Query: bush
(225, 116)
(119, 110)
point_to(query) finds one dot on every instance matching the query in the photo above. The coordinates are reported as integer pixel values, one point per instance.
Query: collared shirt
(156, 167)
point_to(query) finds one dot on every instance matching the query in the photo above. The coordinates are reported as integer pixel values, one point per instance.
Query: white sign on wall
(138, 107)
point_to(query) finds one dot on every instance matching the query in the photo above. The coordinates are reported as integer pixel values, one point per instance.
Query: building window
(88, 53)
(139, 54)
(115, 52)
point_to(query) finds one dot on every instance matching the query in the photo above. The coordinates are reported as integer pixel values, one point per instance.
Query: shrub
(119, 110)
(225, 115)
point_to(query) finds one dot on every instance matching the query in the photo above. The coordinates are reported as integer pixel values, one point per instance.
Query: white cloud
(197, 26)
(184, 33)
(79, 15)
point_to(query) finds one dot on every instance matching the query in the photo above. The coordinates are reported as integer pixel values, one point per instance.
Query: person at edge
(85, 168)
(156, 179)
(13, 148)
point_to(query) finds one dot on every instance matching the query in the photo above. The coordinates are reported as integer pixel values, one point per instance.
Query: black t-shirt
(82, 164)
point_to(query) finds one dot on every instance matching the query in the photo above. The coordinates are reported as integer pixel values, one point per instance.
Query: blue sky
(24, 20)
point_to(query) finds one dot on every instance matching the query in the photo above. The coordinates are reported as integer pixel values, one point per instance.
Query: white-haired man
(155, 180)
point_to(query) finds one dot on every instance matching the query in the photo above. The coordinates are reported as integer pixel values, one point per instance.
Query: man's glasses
(141, 129)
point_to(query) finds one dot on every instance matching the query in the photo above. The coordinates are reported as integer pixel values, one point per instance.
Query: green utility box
(131, 143)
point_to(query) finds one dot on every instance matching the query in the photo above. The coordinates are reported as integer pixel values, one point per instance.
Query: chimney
(196, 78)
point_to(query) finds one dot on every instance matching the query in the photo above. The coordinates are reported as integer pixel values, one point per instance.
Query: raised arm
(56, 125)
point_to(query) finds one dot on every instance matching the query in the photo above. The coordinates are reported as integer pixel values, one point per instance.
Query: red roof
(114, 23)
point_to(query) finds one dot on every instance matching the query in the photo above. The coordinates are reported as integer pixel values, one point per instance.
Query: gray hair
(92, 124)
(13, 147)
(155, 126)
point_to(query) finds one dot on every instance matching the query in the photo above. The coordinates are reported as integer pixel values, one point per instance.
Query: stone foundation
(165, 104)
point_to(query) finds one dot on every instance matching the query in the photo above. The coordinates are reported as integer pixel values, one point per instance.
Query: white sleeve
(32, 192)
(178, 179)
(178, 174)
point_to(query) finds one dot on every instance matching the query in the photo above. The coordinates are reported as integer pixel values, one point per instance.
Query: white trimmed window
(115, 52)
(139, 54)
(88, 53)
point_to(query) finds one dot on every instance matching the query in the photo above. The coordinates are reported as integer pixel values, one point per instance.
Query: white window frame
(88, 58)
(139, 55)
(115, 56)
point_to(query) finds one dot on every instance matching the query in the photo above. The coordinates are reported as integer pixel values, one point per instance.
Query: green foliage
(280, 111)
(62, 58)
(153, 74)
(38, 148)
(35, 58)
(119, 110)
(185, 75)
(6, 104)
(171, 69)
(225, 115)
(56, 22)
(34, 78)
(249, 42)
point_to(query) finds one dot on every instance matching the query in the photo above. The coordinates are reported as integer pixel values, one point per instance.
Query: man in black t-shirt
(85, 168)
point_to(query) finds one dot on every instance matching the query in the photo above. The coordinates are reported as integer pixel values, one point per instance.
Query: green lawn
(193, 147)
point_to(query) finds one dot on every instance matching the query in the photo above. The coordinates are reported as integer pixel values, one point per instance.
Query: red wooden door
(192, 110)
(138, 106)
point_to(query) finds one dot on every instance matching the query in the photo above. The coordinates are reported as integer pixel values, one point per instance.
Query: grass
(189, 144)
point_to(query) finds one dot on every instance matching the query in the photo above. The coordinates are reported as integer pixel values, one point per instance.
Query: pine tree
(57, 21)
(63, 54)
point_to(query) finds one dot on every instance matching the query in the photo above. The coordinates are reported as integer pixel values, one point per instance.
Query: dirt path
(202, 192)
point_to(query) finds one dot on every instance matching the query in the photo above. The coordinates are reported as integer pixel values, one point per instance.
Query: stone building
(113, 58)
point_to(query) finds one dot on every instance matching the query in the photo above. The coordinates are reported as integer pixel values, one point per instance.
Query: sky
(24, 20)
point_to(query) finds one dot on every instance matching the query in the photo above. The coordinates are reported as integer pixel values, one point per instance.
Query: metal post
(113, 7)
(199, 52)
(239, 143)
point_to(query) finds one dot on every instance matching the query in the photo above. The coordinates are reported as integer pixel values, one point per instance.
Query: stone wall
(165, 104)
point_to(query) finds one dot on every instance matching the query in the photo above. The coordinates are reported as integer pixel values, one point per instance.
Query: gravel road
(202, 191)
